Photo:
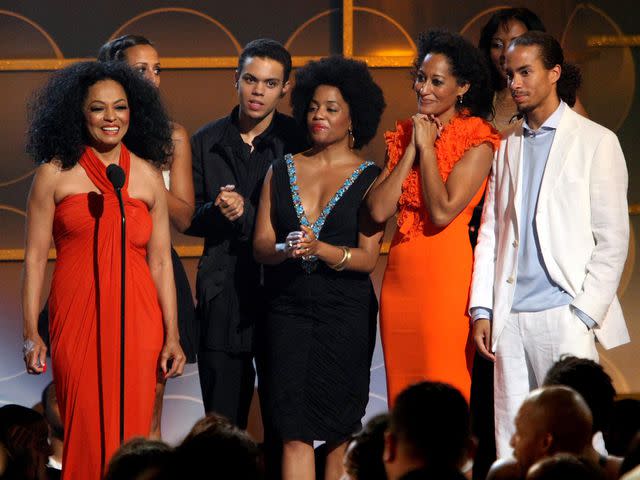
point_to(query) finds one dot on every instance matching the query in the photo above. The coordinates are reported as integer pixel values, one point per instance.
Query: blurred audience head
(625, 423)
(363, 459)
(564, 466)
(139, 459)
(24, 435)
(428, 428)
(589, 379)
(632, 456)
(551, 420)
(216, 445)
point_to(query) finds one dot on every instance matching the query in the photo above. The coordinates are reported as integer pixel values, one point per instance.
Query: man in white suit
(554, 234)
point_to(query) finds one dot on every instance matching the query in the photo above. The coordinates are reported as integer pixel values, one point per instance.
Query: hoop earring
(352, 139)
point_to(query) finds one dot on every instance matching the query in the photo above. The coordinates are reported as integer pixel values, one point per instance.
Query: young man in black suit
(231, 156)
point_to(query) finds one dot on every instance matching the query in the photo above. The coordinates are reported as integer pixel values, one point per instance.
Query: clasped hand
(230, 203)
(426, 129)
(301, 244)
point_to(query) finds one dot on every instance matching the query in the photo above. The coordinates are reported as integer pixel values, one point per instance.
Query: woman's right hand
(35, 355)
(291, 243)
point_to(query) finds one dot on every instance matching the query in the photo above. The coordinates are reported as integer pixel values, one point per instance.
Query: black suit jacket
(228, 288)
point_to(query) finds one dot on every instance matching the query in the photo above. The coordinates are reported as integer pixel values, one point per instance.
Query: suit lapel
(558, 155)
(514, 162)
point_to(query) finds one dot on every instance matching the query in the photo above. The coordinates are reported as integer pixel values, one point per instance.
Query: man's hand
(482, 338)
(230, 203)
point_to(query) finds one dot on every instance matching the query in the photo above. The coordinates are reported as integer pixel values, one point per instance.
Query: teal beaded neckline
(310, 264)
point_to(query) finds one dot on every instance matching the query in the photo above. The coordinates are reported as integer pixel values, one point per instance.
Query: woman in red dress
(437, 166)
(140, 54)
(81, 121)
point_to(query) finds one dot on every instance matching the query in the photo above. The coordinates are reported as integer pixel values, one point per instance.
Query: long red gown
(85, 321)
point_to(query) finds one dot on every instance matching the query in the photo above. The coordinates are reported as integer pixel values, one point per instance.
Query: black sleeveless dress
(320, 328)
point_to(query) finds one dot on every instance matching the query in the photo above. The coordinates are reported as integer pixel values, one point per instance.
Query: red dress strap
(97, 172)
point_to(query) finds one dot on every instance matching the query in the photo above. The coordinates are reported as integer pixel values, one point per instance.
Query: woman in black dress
(320, 244)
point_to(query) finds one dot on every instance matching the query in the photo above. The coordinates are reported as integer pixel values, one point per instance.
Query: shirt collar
(266, 135)
(550, 123)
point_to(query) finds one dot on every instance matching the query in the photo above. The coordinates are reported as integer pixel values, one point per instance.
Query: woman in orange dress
(437, 166)
(81, 121)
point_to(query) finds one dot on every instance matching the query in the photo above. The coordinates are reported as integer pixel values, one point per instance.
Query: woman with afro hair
(319, 244)
(437, 167)
(88, 117)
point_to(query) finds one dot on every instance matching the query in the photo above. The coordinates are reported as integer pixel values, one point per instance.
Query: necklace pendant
(309, 265)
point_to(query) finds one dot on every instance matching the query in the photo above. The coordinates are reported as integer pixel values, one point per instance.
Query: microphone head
(116, 176)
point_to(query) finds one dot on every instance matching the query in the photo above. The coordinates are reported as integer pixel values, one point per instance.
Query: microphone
(116, 176)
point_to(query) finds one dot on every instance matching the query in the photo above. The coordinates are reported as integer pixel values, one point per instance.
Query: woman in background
(139, 53)
(437, 167)
(319, 244)
(503, 26)
(85, 119)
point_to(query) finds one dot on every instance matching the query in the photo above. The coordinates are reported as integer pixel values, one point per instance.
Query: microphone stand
(123, 238)
(123, 252)
(117, 178)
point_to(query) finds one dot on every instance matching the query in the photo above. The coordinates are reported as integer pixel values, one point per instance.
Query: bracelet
(346, 256)
(28, 346)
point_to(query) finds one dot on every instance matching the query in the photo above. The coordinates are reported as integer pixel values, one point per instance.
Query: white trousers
(529, 345)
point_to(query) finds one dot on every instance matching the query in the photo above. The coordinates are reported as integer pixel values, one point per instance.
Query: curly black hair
(467, 64)
(352, 78)
(500, 19)
(57, 127)
(589, 379)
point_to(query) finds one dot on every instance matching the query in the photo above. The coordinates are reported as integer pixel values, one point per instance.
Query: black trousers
(482, 415)
(227, 383)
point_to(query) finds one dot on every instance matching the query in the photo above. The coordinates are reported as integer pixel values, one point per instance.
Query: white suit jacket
(581, 219)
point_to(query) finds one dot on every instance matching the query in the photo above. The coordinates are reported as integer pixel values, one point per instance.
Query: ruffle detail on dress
(462, 133)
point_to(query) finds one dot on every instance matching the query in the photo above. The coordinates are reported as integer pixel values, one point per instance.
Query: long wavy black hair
(498, 20)
(57, 126)
(467, 64)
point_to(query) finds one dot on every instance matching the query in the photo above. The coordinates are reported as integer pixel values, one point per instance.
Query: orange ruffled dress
(425, 291)
(84, 320)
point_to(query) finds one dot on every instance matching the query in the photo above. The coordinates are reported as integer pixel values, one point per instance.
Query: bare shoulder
(179, 133)
(143, 166)
(49, 173)
(143, 171)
